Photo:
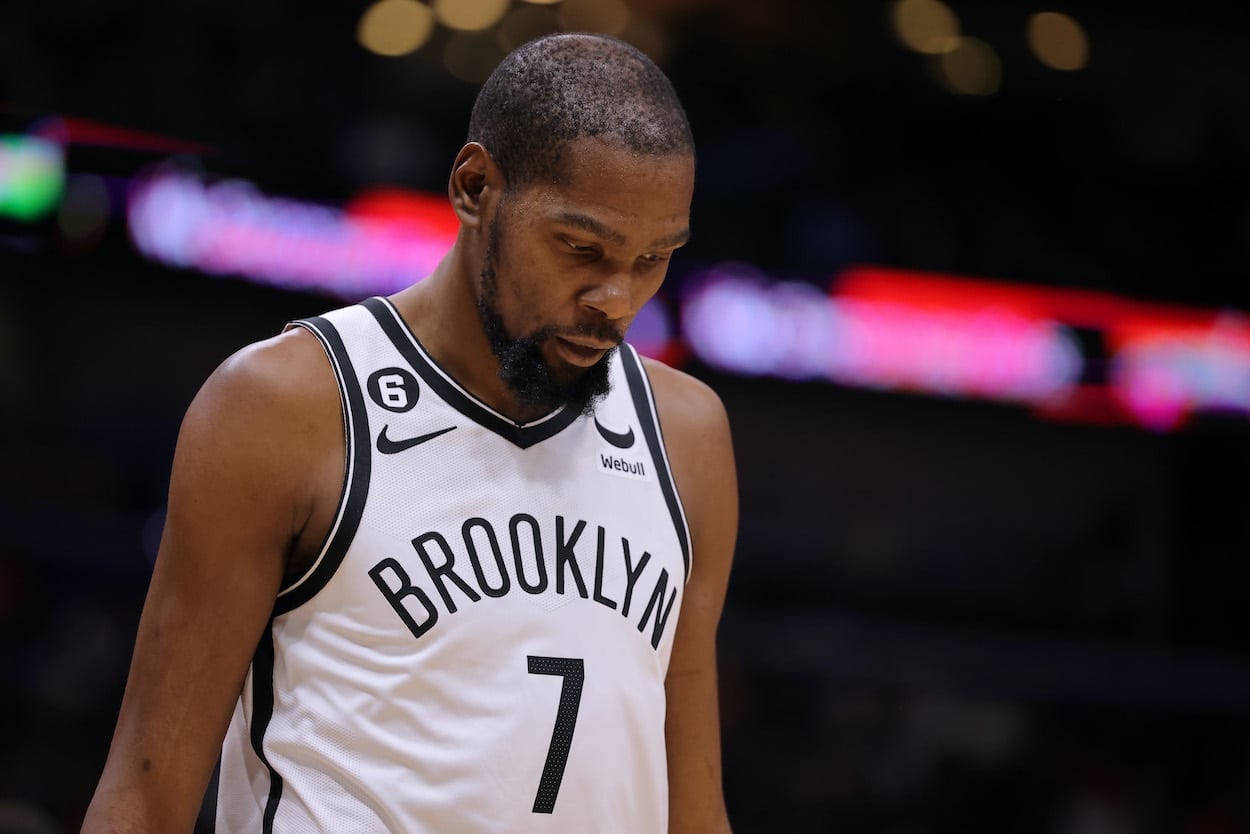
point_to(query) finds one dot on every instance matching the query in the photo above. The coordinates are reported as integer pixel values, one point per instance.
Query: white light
(395, 27)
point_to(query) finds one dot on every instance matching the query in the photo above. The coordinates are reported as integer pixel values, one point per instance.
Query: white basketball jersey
(482, 642)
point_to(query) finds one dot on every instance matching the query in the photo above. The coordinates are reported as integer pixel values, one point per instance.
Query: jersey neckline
(453, 393)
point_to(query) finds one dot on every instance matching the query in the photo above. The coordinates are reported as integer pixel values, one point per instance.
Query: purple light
(651, 331)
(736, 321)
(231, 228)
(1163, 378)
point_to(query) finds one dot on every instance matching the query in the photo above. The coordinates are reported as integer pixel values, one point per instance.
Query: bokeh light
(928, 26)
(1058, 41)
(470, 15)
(395, 27)
(972, 68)
(608, 17)
(32, 176)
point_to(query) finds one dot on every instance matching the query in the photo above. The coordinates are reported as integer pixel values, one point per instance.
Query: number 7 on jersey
(574, 673)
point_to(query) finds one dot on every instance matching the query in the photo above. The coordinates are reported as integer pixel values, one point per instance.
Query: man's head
(591, 162)
(553, 90)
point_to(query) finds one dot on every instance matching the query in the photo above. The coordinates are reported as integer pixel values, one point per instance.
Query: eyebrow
(589, 224)
(678, 239)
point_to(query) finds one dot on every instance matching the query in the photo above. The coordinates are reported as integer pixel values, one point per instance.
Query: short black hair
(562, 87)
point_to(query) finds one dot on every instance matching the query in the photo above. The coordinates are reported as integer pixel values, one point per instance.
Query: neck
(441, 311)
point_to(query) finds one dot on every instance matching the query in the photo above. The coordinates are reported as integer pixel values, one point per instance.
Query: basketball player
(453, 561)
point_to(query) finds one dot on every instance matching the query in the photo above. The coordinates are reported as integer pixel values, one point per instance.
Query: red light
(70, 130)
(1166, 361)
(430, 213)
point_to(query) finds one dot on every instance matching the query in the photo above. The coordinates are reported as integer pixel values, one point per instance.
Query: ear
(475, 180)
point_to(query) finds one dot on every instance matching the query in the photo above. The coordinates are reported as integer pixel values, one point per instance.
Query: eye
(654, 258)
(581, 248)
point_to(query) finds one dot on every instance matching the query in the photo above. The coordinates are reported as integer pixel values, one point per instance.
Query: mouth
(579, 353)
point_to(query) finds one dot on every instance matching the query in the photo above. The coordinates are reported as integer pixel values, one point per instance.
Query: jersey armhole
(644, 405)
(356, 471)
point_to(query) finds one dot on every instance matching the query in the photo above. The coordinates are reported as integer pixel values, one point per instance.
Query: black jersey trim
(644, 405)
(262, 712)
(523, 435)
(355, 472)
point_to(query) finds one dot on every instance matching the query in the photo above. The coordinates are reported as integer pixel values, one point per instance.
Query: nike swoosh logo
(617, 439)
(389, 447)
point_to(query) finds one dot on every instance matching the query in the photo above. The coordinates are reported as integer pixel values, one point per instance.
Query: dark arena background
(972, 278)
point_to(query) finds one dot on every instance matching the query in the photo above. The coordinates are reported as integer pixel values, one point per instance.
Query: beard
(521, 364)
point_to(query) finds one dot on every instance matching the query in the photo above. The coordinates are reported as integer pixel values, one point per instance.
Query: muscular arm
(250, 458)
(696, 434)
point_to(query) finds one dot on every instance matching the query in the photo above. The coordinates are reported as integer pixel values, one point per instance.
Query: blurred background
(972, 278)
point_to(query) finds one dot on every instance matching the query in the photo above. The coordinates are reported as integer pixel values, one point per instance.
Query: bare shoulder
(267, 424)
(288, 372)
(268, 397)
(691, 413)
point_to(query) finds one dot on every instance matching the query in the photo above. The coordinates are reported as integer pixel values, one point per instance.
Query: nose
(611, 296)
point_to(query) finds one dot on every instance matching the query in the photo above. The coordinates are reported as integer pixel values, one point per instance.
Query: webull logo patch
(624, 467)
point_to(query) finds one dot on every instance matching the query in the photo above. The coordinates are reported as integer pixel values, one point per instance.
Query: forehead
(627, 191)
